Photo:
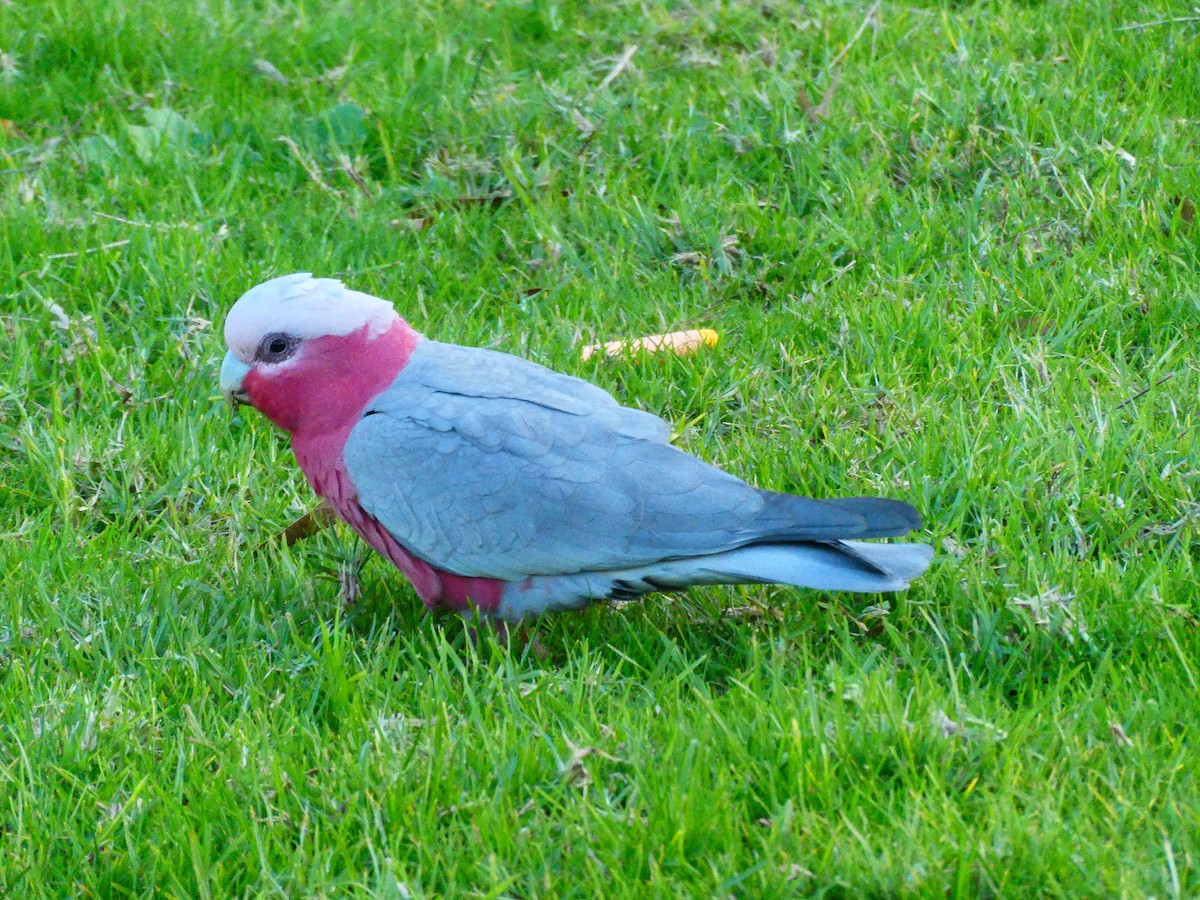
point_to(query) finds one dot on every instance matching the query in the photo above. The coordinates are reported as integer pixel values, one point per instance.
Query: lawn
(953, 256)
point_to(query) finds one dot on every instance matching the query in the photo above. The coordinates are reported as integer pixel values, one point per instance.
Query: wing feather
(487, 465)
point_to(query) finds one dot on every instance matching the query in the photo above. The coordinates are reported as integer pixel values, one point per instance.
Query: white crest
(304, 307)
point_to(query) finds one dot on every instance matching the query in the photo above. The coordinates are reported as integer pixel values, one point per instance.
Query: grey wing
(489, 375)
(487, 465)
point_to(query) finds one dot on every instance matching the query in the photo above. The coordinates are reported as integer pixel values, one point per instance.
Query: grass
(974, 283)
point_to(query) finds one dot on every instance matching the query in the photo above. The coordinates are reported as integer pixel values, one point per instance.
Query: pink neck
(321, 396)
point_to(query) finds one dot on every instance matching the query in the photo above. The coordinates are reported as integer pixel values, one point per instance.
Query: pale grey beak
(233, 371)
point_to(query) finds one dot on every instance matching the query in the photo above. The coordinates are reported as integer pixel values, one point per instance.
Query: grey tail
(787, 518)
(819, 543)
(883, 517)
(826, 565)
(795, 540)
(829, 565)
(901, 561)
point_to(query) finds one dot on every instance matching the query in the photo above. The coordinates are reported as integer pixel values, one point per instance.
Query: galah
(498, 486)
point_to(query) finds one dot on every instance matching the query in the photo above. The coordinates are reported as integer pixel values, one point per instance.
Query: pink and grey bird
(498, 485)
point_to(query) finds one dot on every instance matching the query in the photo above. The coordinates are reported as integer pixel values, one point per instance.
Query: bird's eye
(276, 348)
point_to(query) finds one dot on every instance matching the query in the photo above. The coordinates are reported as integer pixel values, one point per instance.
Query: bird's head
(310, 354)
